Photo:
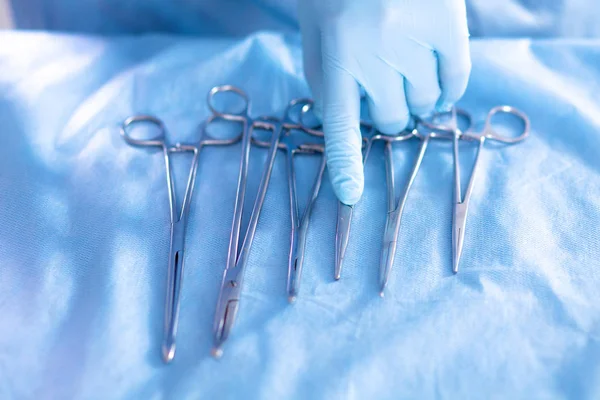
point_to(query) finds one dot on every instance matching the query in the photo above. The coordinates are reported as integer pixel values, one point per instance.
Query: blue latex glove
(409, 56)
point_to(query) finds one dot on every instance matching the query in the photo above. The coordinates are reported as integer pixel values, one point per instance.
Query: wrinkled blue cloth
(508, 18)
(84, 232)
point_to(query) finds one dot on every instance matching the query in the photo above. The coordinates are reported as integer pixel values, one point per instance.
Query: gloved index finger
(311, 51)
(341, 125)
(454, 58)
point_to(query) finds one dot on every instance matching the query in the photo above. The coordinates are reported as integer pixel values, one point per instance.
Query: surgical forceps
(178, 222)
(299, 222)
(461, 204)
(344, 212)
(344, 220)
(237, 260)
(395, 206)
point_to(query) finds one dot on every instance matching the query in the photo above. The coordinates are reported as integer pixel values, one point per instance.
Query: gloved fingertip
(344, 163)
(424, 112)
(444, 106)
(347, 179)
(348, 192)
(392, 128)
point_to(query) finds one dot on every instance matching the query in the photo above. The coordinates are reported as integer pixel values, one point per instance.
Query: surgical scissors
(178, 221)
(461, 204)
(237, 260)
(299, 222)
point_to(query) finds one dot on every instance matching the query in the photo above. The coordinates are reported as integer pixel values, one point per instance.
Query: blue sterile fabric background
(507, 18)
(84, 235)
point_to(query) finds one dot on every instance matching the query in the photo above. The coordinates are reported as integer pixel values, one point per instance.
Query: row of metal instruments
(454, 126)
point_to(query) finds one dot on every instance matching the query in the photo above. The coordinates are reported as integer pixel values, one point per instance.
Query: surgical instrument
(299, 222)
(395, 206)
(461, 204)
(344, 212)
(233, 275)
(178, 222)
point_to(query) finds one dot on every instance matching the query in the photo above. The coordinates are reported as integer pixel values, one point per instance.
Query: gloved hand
(409, 56)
